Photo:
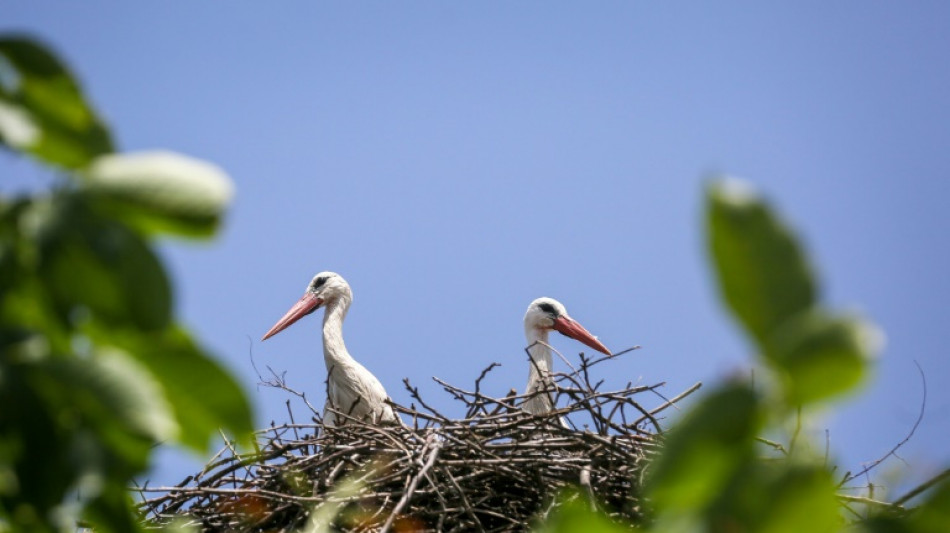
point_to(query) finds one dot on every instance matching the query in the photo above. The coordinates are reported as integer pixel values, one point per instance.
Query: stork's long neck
(334, 349)
(540, 353)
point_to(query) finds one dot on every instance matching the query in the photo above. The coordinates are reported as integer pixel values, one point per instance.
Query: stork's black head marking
(317, 283)
(547, 308)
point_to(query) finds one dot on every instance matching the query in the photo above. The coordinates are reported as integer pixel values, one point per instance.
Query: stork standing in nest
(352, 390)
(544, 315)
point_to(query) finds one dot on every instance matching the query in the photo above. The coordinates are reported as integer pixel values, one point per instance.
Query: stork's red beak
(570, 327)
(306, 305)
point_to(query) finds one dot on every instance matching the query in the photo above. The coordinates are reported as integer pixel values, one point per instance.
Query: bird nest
(495, 469)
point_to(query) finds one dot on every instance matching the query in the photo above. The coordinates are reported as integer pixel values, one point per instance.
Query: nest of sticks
(495, 469)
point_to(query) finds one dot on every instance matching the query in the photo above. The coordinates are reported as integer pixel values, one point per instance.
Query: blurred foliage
(715, 472)
(94, 369)
(766, 281)
(576, 515)
(46, 113)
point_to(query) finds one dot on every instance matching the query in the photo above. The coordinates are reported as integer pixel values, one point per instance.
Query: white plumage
(352, 389)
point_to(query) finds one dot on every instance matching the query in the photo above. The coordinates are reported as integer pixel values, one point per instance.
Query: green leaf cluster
(94, 368)
(713, 472)
(576, 515)
(768, 283)
(43, 111)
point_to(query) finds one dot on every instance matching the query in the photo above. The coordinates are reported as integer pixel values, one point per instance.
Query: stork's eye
(319, 282)
(547, 308)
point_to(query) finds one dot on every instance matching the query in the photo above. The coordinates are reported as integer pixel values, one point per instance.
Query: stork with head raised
(544, 315)
(352, 390)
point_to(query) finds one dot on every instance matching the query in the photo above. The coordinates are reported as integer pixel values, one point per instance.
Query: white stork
(543, 315)
(353, 390)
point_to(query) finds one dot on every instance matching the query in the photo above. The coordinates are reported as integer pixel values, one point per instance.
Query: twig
(677, 398)
(433, 454)
(923, 486)
(920, 416)
(870, 501)
(774, 445)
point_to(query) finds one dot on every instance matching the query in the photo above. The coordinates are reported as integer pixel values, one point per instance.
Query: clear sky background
(454, 161)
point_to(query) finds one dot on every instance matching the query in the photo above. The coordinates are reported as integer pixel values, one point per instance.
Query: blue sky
(455, 161)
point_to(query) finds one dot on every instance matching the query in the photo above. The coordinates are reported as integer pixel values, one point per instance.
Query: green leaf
(113, 411)
(700, 455)
(33, 445)
(77, 427)
(43, 110)
(932, 516)
(113, 510)
(935, 512)
(161, 192)
(17, 129)
(575, 515)
(92, 264)
(820, 356)
(113, 383)
(9, 242)
(777, 498)
(203, 396)
(181, 525)
(762, 271)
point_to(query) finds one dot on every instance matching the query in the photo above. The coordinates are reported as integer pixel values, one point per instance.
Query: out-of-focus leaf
(203, 396)
(762, 271)
(9, 237)
(16, 129)
(932, 516)
(161, 192)
(37, 468)
(79, 415)
(76, 426)
(23, 311)
(575, 515)
(90, 263)
(777, 498)
(113, 510)
(112, 412)
(181, 525)
(894, 524)
(701, 454)
(325, 515)
(43, 109)
(935, 512)
(120, 388)
(820, 356)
